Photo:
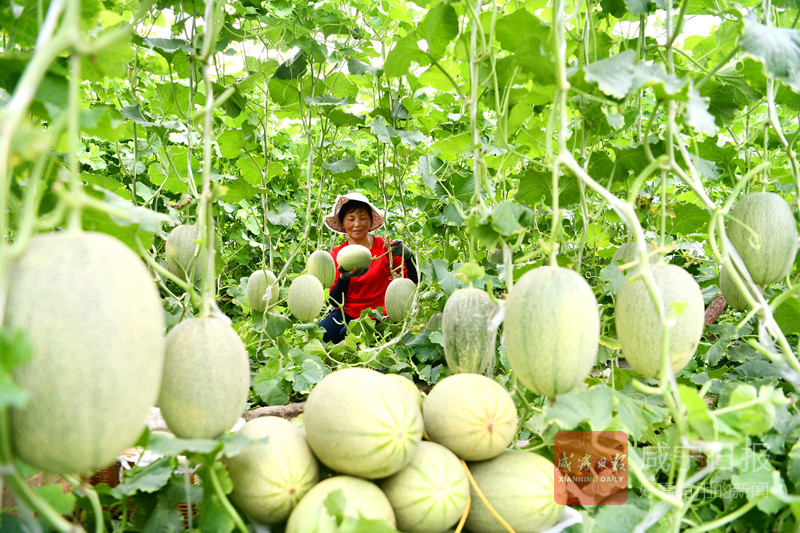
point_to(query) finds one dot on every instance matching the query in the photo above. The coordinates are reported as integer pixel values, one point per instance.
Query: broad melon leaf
(690, 219)
(640, 7)
(150, 478)
(404, 52)
(753, 420)
(535, 185)
(614, 75)
(788, 315)
(453, 145)
(342, 166)
(594, 405)
(446, 279)
(357, 68)
(167, 446)
(135, 114)
(282, 215)
(252, 169)
(438, 27)
(511, 29)
(667, 86)
(383, 131)
(411, 138)
(54, 495)
(777, 48)
(793, 466)
(697, 115)
(325, 100)
(231, 143)
(239, 189)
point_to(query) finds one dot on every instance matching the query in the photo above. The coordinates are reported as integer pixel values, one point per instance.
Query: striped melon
(733, 296)
(182, 243)
(471, 415)
(359, 422)
(552, 330)
(257, 286)
(468, 346)
(354, 256)
(321, 266)
(519, 486)
(94, 317)
(769, 246)
(399, 297)
(206, 378)
(271, 477)
(361, 498)
(639, 329)
(306, 297)
(430, 494)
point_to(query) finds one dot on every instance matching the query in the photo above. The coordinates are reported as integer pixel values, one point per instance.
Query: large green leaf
(689, 219)
(788, 316)
(438, 27)
(404, 52)
(512, 29)
(777, 48)
(614, 76)
(535, 185)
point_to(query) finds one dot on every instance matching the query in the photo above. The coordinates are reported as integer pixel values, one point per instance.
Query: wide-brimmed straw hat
(333, 222)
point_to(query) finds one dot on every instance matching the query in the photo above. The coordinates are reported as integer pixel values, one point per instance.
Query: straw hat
(332, 220)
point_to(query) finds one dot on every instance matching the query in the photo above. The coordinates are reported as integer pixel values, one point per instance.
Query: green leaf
(309, 373)
(335, 504)
(411, 138)
(342, 166)
(753, 420)
(103, 122)
(697, 115)
(640, 7)
(614, 75)
(666, 86)
(697, 415)
(357, 68)
(293, 68)
(777, 48)
(471, 272)
(135, 114)
(282, 215)
(400, 57)
(616, 518)
(16, 348)
(536, 58)
(231, 143)
(162, 444)
(511, 30)
(453, 145)
(239, 189)
(326, 100)
(237, 443)
(788, 316)
(535, 186)
(438, 27)
(594, 405)
(690, 219)
(150, 478)
(446, 279)
(54, 495)
(343, 119)
(384, 132)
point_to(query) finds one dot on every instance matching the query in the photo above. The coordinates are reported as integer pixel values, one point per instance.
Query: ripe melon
(180, 250)
(320, 265)
(354, 256)
(435, 321)
(95, 321)
(360, 422)
(409, 387)
(468, 346)
(768, 251)
(270, 478)
(519, 486)
(206, 378)
(639, 329)
(733, 296)
(306, 297)
(257, 289)
(627, 254)
(471, 415)
(399, 297)
(361, 497)
(430, 494)
(552, 330)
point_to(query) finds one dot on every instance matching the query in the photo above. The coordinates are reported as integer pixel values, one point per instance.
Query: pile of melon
(367, 429)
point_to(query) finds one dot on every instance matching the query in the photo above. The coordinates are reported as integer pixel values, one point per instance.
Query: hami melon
(306, 297)
(182, 243)
(399, 298)
(468, 344)
(320, 265)
(733, 296)
(257, 285)
(354, 256)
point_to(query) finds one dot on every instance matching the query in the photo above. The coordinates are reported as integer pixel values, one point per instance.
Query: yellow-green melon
(206, 378)
(519, 486)
(354, 256)
(733, 296)
(257, 286)
(430, 494)
(361, 497)
(182, 242)
(94, 318)
(763, 230)
(434, 321)
(471, 415)
(468, 345)
(552, 330)
(306, 297)
(409, 386)
(360, 422)
(626, 253)
(271, 477)
(320, 265)
(399, 298)
(639, 329)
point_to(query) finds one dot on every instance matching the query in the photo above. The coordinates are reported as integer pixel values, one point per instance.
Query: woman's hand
(400, 250)
(356, 272)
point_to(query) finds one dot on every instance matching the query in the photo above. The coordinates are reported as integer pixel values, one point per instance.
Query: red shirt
(368, 291)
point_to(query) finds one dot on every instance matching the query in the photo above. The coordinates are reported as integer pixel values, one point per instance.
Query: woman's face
(356, 224)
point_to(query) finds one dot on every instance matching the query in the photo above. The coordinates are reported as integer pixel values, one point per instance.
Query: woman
(357, 290)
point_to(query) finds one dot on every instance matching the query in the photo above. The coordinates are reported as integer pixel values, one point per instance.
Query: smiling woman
(363, 288)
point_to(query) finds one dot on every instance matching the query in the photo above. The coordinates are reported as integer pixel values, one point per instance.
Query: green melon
(430, 494)
(733, 296)
(399, 297)
(627, 254)
(360, 422)
(769, 250)
(180, 250)
(94, 318)
(435, 321)
(639, 329)
(270, 478)
(471, 415)
(306, 297)
(468, 346)
(361, 497)
(257, 289)
(321, 266)
(354, 256)
(519, 486)
(552, 330)
(206, 378)
(409, 386)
